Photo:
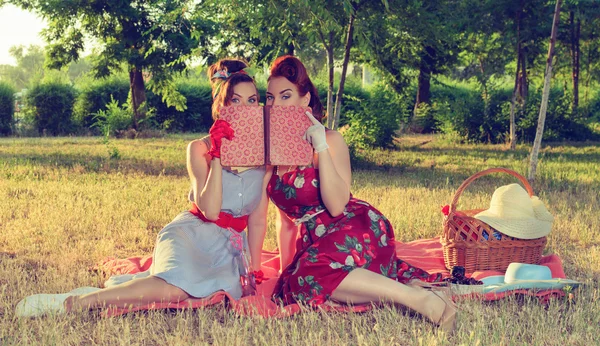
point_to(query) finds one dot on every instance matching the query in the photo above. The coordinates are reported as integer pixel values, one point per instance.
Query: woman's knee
(169, 290)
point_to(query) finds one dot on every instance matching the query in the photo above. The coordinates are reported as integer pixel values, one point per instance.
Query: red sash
(225, 220)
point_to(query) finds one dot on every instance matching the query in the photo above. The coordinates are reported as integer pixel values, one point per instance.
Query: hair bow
(224, 75)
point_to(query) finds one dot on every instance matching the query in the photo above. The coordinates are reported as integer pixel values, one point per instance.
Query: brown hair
(222, 89)
(294, 71)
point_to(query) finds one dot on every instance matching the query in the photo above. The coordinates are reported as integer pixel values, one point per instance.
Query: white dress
(199, 256)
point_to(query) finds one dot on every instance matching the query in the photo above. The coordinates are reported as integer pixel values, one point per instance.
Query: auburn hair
(222, 89)
(294, 71)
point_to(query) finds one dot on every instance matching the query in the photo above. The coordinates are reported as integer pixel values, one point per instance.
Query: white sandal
(48, 304)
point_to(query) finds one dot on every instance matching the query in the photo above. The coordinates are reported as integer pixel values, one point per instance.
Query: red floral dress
(330, 247)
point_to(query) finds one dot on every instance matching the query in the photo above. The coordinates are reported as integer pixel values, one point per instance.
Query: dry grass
(65, 205)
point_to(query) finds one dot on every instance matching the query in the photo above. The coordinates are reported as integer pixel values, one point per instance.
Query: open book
(269, 135)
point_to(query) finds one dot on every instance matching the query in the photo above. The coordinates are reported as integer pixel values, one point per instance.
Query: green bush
(372, 121)
(350, 104)
(197, 117)
(114, 119)
(7, 108)
(561, 124)
(459, 112)
(96, 95)
(52, 108)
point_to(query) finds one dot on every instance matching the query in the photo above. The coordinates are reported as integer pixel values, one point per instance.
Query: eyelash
(284, 97)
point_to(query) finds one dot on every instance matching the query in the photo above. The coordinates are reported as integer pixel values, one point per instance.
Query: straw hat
(515, 214)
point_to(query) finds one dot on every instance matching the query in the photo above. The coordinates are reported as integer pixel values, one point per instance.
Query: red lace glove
(259, 277)
(220, 129)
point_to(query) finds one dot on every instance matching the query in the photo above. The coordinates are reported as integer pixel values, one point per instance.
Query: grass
(65, 204)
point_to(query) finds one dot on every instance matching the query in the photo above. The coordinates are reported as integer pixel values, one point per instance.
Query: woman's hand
(220, 129)
(315, 135)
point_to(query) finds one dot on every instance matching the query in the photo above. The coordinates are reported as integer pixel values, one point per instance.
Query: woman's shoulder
(335, 138)
(199, 146)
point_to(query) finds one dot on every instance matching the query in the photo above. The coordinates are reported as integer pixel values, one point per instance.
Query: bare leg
(364, 286)
(131, 294)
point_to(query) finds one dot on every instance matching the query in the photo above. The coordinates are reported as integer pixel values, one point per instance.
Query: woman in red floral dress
(345, 251)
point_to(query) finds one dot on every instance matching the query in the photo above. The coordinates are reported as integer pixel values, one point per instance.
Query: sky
(18, 27)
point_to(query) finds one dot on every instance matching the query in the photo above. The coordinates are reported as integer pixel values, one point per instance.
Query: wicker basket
(475, 245)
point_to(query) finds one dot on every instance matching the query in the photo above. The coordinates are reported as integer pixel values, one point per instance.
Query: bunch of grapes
(458, 277)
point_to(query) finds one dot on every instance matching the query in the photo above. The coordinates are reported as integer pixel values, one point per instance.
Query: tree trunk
(338, 99)
(575, 52)
(523, 83)
(545, 95)
(484, 94)
(424, 85)
(513, 126)
(138, 96)
(330, 68)
(588, 74)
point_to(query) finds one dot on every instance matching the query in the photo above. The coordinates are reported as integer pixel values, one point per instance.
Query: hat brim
(496, 284)
(517, 228)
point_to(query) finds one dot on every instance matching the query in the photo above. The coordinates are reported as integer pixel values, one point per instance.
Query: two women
(344, 253)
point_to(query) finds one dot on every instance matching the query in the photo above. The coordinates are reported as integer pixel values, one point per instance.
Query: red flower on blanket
(446, 210)
(259, 276)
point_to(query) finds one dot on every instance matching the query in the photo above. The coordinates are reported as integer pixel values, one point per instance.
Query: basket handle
(475, 176)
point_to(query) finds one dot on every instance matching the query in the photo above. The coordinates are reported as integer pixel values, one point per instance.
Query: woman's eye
(235, 100)
(252, 100)
(285, 97)
(269, 98)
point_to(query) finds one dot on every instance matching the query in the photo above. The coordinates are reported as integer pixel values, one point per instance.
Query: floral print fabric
(329, 248)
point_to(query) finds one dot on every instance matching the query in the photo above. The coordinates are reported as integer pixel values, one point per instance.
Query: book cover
(266, 135)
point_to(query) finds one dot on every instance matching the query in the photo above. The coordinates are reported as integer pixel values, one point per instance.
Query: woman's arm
(206, 178)
(286, 238)
(335, 175)
(257, 224)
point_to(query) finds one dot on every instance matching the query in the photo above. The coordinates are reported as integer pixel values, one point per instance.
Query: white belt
(307, 217)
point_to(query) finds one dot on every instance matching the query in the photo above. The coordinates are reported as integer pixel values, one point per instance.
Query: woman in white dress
(196, 254)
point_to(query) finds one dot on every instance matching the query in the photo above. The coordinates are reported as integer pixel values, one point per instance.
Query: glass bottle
(247, 279)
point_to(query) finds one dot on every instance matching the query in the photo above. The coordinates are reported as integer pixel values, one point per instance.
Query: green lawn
(65, 204)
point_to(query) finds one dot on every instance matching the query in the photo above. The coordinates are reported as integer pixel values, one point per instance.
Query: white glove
(315, 135)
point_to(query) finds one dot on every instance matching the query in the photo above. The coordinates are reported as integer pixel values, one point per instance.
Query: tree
(545, 95)
(255, 30)
(410, 36)
(262, 31)
(153, 39)
(574, 38)
(29, 68)
(510, 30)
(328, 22)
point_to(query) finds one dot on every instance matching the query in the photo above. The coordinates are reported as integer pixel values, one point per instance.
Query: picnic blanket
(425, 253)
